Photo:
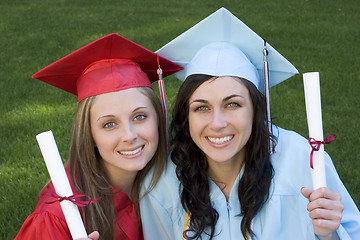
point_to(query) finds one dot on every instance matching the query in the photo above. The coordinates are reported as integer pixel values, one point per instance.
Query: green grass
(314, 35)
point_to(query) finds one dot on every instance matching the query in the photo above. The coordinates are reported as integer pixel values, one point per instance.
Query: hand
(325, 210)
(92, 236)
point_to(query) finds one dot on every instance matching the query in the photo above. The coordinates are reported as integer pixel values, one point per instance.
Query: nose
(218, 120)
(128, 133)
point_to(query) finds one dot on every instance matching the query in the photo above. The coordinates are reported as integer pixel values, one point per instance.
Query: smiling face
(220, 119)
(124, 126)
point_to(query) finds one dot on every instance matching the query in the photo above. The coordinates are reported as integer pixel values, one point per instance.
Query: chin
(137, 167)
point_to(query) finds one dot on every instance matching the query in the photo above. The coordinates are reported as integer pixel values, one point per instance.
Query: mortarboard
(222, 45)
(111, 63)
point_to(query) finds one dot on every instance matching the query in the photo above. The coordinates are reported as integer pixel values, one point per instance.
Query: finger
(325, 214)
(322, 226)
(324, 193)
(306, 192)
(94, 235)
(328, 204)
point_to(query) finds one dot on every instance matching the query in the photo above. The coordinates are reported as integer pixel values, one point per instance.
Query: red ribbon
(76, 199)
(315, 146)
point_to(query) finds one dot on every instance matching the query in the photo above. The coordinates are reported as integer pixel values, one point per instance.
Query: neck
(123, 180)
(224, 174)
(124, 183)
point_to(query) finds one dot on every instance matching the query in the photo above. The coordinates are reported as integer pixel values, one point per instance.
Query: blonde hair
(88, 174)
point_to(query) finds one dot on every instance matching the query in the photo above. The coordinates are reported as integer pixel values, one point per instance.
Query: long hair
(192, 166)
(89, 176)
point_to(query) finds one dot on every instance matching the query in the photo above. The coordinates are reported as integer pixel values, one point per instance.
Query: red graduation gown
(47, 222)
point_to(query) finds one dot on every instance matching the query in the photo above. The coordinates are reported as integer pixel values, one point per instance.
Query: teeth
(131, 152)
(220, 140)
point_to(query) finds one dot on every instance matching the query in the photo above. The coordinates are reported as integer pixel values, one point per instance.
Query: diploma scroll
(61, 183)
(314, 119)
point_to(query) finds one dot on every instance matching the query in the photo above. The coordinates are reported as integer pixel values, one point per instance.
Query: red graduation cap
(111, 63)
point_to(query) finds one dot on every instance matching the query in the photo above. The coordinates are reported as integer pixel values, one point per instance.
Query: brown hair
(88, 174)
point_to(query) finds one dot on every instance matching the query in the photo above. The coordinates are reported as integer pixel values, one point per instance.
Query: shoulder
(46, 222)
(289, 139)
(161, 211)
(290, 162)
(47, 202)
(291, 148)
(166, 190)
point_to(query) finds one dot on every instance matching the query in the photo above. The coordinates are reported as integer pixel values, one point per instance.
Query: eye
(233, 105)
(140, 117)
(201, 109)
(109, 124)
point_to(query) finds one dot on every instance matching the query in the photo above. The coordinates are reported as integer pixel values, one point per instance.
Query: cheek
(96, 136)
(104, 143)
(104, 140)
(153, 139)
(248, 125)
(196, 126)
(95, 133)
(155, 142)
(152, 133)
(193, 125)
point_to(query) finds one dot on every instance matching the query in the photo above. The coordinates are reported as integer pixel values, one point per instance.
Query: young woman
(224, 183)
(118, 135)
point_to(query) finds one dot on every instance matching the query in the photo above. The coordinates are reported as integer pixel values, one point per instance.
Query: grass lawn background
(318, 36)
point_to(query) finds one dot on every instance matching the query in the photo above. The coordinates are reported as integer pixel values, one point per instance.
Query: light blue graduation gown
(284, 215)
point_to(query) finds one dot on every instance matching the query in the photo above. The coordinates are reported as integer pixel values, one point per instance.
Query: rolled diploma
(61, 183)
(314, 119)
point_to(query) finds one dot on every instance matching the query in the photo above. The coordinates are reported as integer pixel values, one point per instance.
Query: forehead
(120, 101)
(220, 86)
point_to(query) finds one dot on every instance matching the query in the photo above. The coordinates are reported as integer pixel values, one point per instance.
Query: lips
(220, 140)
(133, 152)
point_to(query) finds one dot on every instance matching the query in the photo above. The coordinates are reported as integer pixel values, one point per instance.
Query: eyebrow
(224, 100)
(199, 100)
(111, 115)
(232, 96)
(105, 116)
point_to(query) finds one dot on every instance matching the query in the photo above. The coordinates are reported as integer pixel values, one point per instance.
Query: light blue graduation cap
(222, 45)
